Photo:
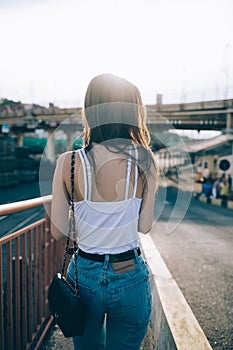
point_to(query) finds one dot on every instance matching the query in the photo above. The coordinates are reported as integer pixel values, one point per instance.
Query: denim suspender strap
(128, 174)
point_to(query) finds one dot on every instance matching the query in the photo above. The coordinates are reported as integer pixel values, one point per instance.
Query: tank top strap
(128, 174)
(136, 171)
(86, 174)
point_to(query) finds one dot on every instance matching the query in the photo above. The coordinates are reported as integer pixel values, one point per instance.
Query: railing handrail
(10, 208)
(18, 233)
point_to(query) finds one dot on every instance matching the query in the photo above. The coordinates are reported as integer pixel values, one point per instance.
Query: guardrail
(28, 260)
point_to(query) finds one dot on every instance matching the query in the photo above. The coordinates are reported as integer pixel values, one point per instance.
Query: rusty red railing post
(9, 294)
(24, 290)
(1, 303)
(48, 248)
(16, 293)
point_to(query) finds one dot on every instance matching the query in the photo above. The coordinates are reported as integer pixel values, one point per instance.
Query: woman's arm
(60, 200)
(146, 216)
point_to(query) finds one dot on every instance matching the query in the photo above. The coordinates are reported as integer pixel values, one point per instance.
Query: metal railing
(28, 260)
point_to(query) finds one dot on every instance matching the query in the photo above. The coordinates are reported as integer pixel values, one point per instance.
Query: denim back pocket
(131, 303)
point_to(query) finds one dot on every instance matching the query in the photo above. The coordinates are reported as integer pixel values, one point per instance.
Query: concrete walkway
(56, 340)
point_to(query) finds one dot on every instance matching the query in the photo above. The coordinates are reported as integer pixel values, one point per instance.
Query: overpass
(206, 115)
(211, 115)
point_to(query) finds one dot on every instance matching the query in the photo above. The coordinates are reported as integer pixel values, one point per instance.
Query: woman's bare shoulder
(66, 156)
(64, 162)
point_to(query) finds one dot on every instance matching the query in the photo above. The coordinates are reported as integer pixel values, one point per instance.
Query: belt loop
(76, 253)
(136, 253)
(106, 261)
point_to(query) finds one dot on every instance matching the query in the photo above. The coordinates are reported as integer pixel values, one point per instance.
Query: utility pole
(226, 68)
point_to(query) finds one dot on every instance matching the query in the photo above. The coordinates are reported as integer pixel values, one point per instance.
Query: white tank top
(107, 227)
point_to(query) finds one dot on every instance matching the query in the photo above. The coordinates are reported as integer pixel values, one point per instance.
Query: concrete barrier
(216, 201)
(203, 199)
(173, 323)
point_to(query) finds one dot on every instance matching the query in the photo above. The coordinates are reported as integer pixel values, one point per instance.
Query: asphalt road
(24, 191)
(199, 255)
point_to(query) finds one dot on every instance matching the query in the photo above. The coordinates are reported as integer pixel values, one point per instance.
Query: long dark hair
(113, 111)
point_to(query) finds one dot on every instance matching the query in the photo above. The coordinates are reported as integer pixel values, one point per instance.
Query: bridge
(211, 115)
(206, 115)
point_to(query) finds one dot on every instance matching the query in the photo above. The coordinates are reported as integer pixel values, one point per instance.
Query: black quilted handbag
(65, 303)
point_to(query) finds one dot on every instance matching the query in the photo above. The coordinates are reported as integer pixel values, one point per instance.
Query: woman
(114, 191)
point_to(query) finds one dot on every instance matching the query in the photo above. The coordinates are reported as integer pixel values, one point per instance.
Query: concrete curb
(174, 325)
(215, 201)
(196, 194)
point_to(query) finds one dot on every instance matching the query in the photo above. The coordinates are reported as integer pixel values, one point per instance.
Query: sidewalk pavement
(56, 340)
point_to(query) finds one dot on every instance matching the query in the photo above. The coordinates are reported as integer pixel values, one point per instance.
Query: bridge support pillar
(50, 148)
(69, 142)
(232, 167)
(229, 123)
(20, 139)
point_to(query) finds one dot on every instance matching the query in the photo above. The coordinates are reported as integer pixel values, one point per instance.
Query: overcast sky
(51, 49)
